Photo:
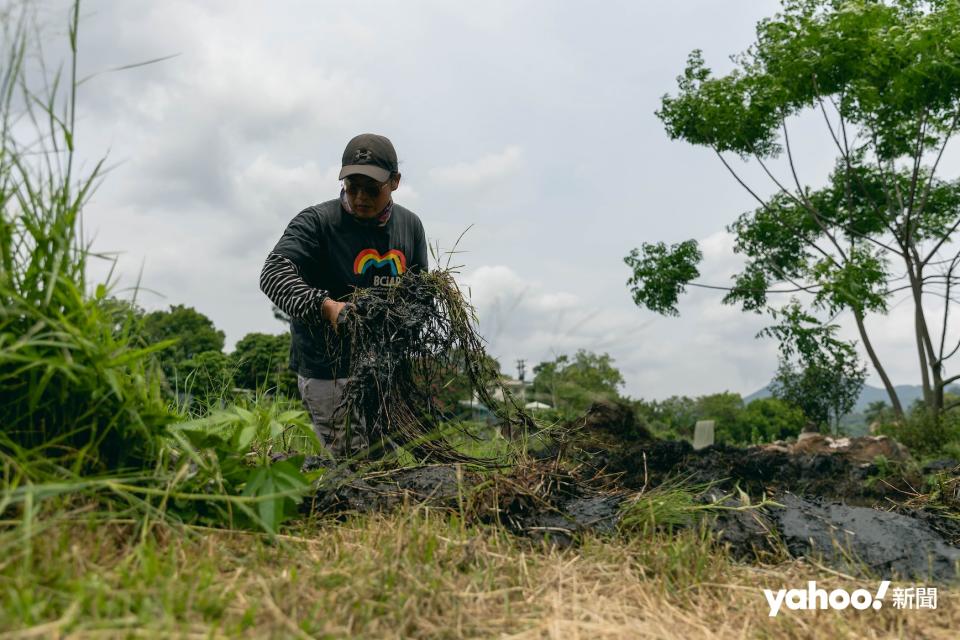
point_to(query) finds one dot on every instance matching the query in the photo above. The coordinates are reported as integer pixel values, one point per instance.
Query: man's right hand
(330, 309)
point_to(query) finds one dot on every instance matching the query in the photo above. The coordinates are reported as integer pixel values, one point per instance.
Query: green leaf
(279, 488)
(276, 428)
(661, 273)
(245, 435)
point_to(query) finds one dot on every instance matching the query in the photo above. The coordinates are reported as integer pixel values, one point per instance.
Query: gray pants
(322, 399)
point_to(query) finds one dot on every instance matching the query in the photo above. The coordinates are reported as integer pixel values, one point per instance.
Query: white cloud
(487, 169)
(406, 195)
(266, 183)
(523, 318)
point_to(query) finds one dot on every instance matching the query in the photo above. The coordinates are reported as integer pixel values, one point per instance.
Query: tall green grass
(76, 386)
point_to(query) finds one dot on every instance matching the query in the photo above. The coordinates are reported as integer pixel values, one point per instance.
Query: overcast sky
(530, 123)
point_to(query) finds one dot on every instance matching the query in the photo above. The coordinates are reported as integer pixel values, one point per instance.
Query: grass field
(409, 574)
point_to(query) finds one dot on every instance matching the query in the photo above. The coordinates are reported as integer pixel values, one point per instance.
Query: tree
(818, 373)
(764, 420)
(577, 383)
(884, 76)
(723, 408)
(260, 361)
(451, 385)
(824, 393)
(674, 417)
(194, 333)
(877, 413)
(207, 375)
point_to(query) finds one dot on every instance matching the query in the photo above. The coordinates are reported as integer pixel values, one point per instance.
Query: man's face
(366, 196)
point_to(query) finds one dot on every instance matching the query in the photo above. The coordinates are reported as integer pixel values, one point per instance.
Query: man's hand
(331, 311)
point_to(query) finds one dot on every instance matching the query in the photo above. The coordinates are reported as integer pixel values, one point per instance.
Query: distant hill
(907, 393)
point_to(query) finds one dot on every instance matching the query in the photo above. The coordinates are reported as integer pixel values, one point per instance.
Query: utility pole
(521, 371)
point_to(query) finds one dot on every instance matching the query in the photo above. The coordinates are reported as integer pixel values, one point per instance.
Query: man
(361, 239)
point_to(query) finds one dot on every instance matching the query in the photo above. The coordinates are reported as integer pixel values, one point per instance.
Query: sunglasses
(369, 189)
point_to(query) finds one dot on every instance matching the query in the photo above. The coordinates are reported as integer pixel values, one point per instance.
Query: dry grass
(410, 575)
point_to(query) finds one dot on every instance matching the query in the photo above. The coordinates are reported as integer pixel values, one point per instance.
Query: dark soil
(434, 485)
(537, 500)
(754, 470)
(885, 542)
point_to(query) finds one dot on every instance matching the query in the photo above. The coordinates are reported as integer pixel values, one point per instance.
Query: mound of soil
(757, 470)
(537, 500)
(432, 485)
(833, 505)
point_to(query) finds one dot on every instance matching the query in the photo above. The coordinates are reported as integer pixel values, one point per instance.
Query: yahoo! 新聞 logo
(815, 598)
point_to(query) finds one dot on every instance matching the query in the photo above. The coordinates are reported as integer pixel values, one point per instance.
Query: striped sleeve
(286, 288)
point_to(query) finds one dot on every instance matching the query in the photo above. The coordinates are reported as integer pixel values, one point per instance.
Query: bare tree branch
(764, 204)
(946, 305)
(813, 212)
(809, 205)
(738, 179)
(915, 173)
(939, 244)
(813, 288)
(933, 170)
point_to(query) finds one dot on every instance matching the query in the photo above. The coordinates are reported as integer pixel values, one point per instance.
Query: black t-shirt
(337, 253)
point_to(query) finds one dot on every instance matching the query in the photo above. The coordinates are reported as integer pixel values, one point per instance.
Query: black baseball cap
(370, 155)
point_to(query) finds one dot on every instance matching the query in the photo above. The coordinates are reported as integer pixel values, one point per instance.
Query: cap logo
(362, 155)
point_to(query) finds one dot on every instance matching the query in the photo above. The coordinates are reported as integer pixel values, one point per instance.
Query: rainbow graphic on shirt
(371, 258)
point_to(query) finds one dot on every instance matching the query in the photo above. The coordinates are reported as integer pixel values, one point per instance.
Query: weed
(75, 386)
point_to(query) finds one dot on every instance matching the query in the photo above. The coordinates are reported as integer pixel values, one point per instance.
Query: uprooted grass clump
(407, 340)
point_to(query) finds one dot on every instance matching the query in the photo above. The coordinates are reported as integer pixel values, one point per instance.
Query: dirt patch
(538, 499)
(757, 470)
(862, 449)
(614, 419)
(433, 485)
(559, 499)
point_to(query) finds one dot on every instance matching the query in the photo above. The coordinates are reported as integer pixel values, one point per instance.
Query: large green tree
(260, 362)
(818, 373)
(193, 333)
(208, 375)
(824, 394)
(723, 408)
(575, 383)
(884, 78)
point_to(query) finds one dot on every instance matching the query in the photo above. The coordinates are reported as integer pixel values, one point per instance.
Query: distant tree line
(195, 365)
(571, 384)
